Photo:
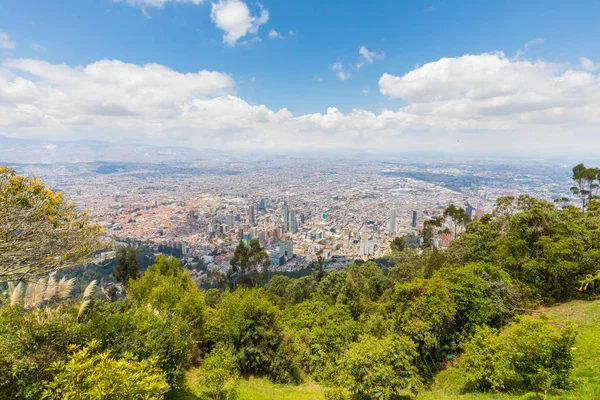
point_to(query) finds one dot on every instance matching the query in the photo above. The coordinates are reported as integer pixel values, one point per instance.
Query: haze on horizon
(448, 77)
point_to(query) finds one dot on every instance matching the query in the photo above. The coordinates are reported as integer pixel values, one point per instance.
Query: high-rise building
(246, 239)
(263, 204)
(414, 220)
(293, 221)
(229, 220)
(289, 252)
(286, 217)
(469, 210)
(251, 214)
(392, 226)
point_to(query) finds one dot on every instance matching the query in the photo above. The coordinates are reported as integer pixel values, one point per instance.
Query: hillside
(449, 385)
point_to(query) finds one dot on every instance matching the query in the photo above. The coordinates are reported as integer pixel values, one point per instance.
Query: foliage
(458, 218)
(90, 376)
(379, 368)
(127, 265)
(530, 354)
(586, 186)
(219, 375)
(250, 325)
(423, 310)
(398, 244)
(246, 261)
(168, 288)
(40, 232)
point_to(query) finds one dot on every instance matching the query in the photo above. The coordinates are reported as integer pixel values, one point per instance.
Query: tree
(127, 266)
(246, 262)
(458, 218)
(429, 231)
(398, 244)
(90, 376)
(318, 268)
(585, 184)
(379, 368)
(40, 232)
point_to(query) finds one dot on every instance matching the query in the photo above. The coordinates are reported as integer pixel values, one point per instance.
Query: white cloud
(588, 64)
(367, 57)
(318, 78)
(5, 42)
(339, 68)
(474, 103)
(273, 34)
(534, 42)
(235, 19)
(156, 3)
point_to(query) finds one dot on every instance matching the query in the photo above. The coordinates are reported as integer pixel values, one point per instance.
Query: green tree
(458, 219)
(218, 374)
(429, 231)
(586, 185)
(90, 376)
(127, 265)
(167, 287)
(247, 262)
(398, 244)
(250, 324)
(40, 232)
(379, 368)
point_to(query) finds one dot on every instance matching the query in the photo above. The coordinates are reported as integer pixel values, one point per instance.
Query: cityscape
(299, 207)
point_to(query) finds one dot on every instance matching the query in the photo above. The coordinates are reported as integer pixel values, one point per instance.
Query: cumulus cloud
(5, 42)
(588, 64)
(340, 72)
(475, 103)
(273, 34)
(367, 57)
(236, 20)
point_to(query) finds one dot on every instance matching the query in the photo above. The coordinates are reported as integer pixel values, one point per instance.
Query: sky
(482, 77)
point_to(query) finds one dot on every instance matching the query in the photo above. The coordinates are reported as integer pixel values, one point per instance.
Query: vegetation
(366, 331)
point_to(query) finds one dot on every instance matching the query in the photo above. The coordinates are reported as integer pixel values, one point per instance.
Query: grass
(449, 383)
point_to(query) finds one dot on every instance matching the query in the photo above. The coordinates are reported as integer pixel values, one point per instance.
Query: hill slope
(585, 314)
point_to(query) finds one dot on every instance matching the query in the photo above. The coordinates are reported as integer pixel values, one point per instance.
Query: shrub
(379, 368)
(219, 375)
(529, 355)
(89, 376)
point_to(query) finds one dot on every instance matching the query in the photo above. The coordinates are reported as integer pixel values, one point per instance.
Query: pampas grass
(83, 307)
(90, 289)
(34, 294)
(64, 287)
(15, 294)
(51, 288)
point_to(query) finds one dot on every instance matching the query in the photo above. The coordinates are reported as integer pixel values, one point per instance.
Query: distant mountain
(31, 151)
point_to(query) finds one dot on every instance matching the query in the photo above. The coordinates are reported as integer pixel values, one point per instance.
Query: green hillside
(449, 385)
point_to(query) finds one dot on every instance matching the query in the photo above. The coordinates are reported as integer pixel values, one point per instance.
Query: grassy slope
(586, 315)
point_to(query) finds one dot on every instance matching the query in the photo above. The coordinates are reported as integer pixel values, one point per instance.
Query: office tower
(392, 225)
(289, 252)
(251, 214)
(286, 217)
(414, 220)
(282, 249)
(263, 204)
(229, 220)
(293, 222)
(246, 239)
(469, 210)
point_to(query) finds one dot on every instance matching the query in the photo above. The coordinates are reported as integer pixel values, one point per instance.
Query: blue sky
(297, 72)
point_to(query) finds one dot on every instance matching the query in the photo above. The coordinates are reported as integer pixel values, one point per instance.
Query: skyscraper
(469, 210)
(293, 221)
(229, 220)
(286, 217)
(392, 225)
(251, 214)
(414, 220)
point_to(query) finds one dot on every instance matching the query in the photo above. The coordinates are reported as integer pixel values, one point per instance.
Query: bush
(530, 355)
(89, 376)
(219, 375)
(335, 394)
(379, 368)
